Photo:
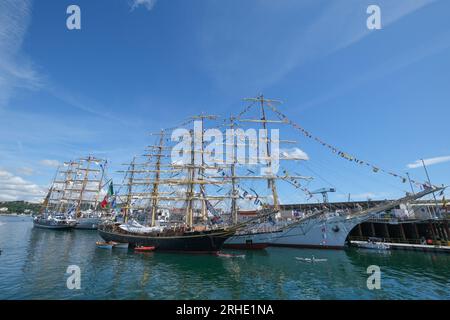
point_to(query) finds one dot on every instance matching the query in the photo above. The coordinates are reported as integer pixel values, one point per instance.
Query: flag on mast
(108, 195)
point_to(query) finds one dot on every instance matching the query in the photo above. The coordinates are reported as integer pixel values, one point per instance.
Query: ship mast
(201, 169)
(46, 203)
(73, 167)
(234, 191)
(68, 184)
(270, 181)
(83, 187)
(157, 176)
(190, 190)
(130, 186)
(84, 183)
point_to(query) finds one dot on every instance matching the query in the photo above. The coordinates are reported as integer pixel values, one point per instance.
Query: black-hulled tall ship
(165, 203)
(185, 196)
(73, 200)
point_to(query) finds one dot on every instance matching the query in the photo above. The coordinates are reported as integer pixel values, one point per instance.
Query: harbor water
(33, 265)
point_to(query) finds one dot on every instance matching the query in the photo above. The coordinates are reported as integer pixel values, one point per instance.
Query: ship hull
(87, 223)
(250, 241)
(46, 225)
(330, 233)
(246, 246)
(316, 233)
(201, 243)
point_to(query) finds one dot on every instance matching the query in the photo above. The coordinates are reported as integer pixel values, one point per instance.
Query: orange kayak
(144, 249)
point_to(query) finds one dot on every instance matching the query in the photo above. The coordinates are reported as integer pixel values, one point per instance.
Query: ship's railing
(391, 219)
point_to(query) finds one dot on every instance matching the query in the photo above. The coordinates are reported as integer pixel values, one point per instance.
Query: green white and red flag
(108, 195)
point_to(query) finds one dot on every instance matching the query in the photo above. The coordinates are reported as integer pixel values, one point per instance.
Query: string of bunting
(296, 184)
(343, 154)
(189, 121)
(224, 124)
(243, 194)
(225, 121)
(246, 109)
(286, 177)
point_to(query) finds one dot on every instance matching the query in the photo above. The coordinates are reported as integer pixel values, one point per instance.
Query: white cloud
(293, 154)
(148, 4)
(49, 163)
(428, 162)
(16, 70)
(14, 188)
(27, 171)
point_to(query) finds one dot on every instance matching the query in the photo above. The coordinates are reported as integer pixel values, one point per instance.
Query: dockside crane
(324, 192)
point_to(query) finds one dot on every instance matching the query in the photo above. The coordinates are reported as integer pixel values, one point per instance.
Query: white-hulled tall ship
(50, 216)
(326, 229)
(331, 229)
(73, 200)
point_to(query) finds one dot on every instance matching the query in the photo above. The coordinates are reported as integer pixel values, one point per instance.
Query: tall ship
(74, 198)
(164, 204)
(325, 227)
(332, 229)
(178, 198)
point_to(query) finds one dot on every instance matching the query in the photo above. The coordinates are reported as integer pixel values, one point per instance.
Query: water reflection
(406, 272)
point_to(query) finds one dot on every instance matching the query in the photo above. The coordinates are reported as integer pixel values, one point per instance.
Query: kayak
(144, 249)
(104, 245)
(313, 259)
(229, 255)
(120, 245)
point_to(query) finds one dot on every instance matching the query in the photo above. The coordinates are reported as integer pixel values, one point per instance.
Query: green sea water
(34, 262)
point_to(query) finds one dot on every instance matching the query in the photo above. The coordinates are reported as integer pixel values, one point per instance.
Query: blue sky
(138, 66)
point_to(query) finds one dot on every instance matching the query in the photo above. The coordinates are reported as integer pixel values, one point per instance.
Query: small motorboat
(229, 255)
(144, 249)
(105, 245)
(311, 260)
(372, 243)
(374, 246)
(120, 245)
